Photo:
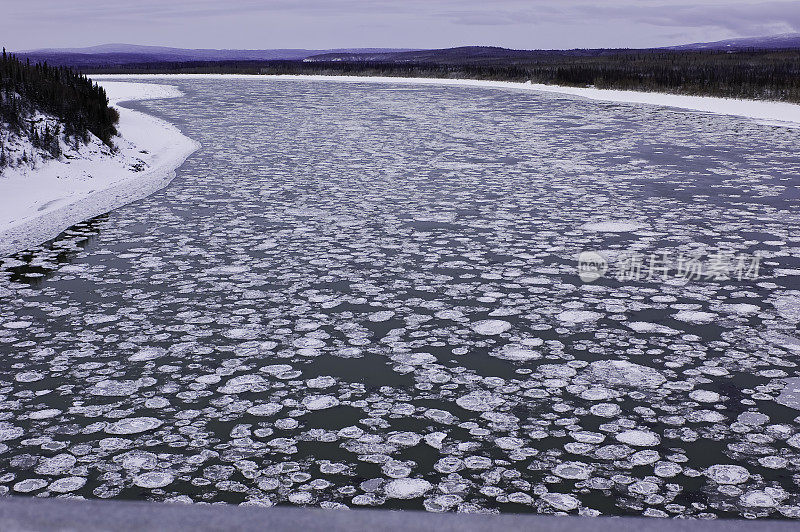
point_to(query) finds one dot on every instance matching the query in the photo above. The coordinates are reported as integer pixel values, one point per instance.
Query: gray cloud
(410, 23)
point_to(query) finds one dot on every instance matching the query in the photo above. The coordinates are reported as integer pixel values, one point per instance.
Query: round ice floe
(29, 376)
(491, 327)
(45, 413)
(727, 474)
(67, 484)
(308, 342)
(704, 396)
(242, 383)
(265, 410)
(449, 464)
(242, 333)
(10, 433)
(773, 462)
(624, 373)
(643, 487)
(154, 479)
(605, 409)
(516, 353)
(138, 459)
(133, 425)
(449, 315)
(321, 382)
(442, 503)
(642, 326)
(573, 470)
(561, 501)
(55, 465)
(508, 443)
(17, 324)
(147, 353)
(478, 462)
(407, 488)
(208, 379)
(300, 497)
(613, 226)
(405, 439)
(794, 441)
(383, 315)
(595, 394)
(479, 401)
(757, 499)
(110, 388)
(320, 402)
(29, 485)
(695, 316)
(578, 316)
(667, 469)
(414, 359)
(648, 456)
(639, 438)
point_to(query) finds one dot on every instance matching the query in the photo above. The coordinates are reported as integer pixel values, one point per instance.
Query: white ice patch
(491, 327)
(515, 353)
(45, 413)
(407, 488)
(613, 226)
(573, 470)
(320, 402)
(147, 353)
(727, 474)
(624, 373)
(704, 396)
(479, 401)
(695, 316)
(154, 479)
(643, 326)
(265, 410)
(133, 425)
(790, 395)
(109, 388)
(380, 316)
(639, 438)
(578, 316)
(561, 501)
(67, 484)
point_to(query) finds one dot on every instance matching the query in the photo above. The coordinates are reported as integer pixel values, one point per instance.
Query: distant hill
(120, 55)
(489, 54)
(124, 54)
(773, 42)
(460, 55)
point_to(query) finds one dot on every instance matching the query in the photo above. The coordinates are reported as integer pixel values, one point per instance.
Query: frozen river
(367, 295)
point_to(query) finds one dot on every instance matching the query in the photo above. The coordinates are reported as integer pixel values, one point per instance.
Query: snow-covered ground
(767, 112)
(38, 203)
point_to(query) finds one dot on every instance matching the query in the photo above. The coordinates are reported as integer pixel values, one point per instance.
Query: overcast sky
(28, 24)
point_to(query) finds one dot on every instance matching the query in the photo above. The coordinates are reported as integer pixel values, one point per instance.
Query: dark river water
(360, 295)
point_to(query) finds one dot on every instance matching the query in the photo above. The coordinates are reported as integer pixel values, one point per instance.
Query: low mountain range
(110, 55)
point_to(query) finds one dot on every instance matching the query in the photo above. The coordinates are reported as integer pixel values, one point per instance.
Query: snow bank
(764, 112)
(37, 204)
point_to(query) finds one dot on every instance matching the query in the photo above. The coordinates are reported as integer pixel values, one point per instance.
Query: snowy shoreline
(37, 204)
(774, 113)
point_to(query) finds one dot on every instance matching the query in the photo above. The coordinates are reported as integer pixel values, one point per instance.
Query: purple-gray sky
(28, 24)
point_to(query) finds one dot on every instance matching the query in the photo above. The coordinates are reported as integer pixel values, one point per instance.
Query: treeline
(70, 96)
(773, 75)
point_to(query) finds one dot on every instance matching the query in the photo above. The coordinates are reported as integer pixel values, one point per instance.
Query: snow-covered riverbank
(37, 204)
(763, 111)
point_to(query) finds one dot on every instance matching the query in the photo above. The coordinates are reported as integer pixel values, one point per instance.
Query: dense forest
(759, 74)
(81, 106)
